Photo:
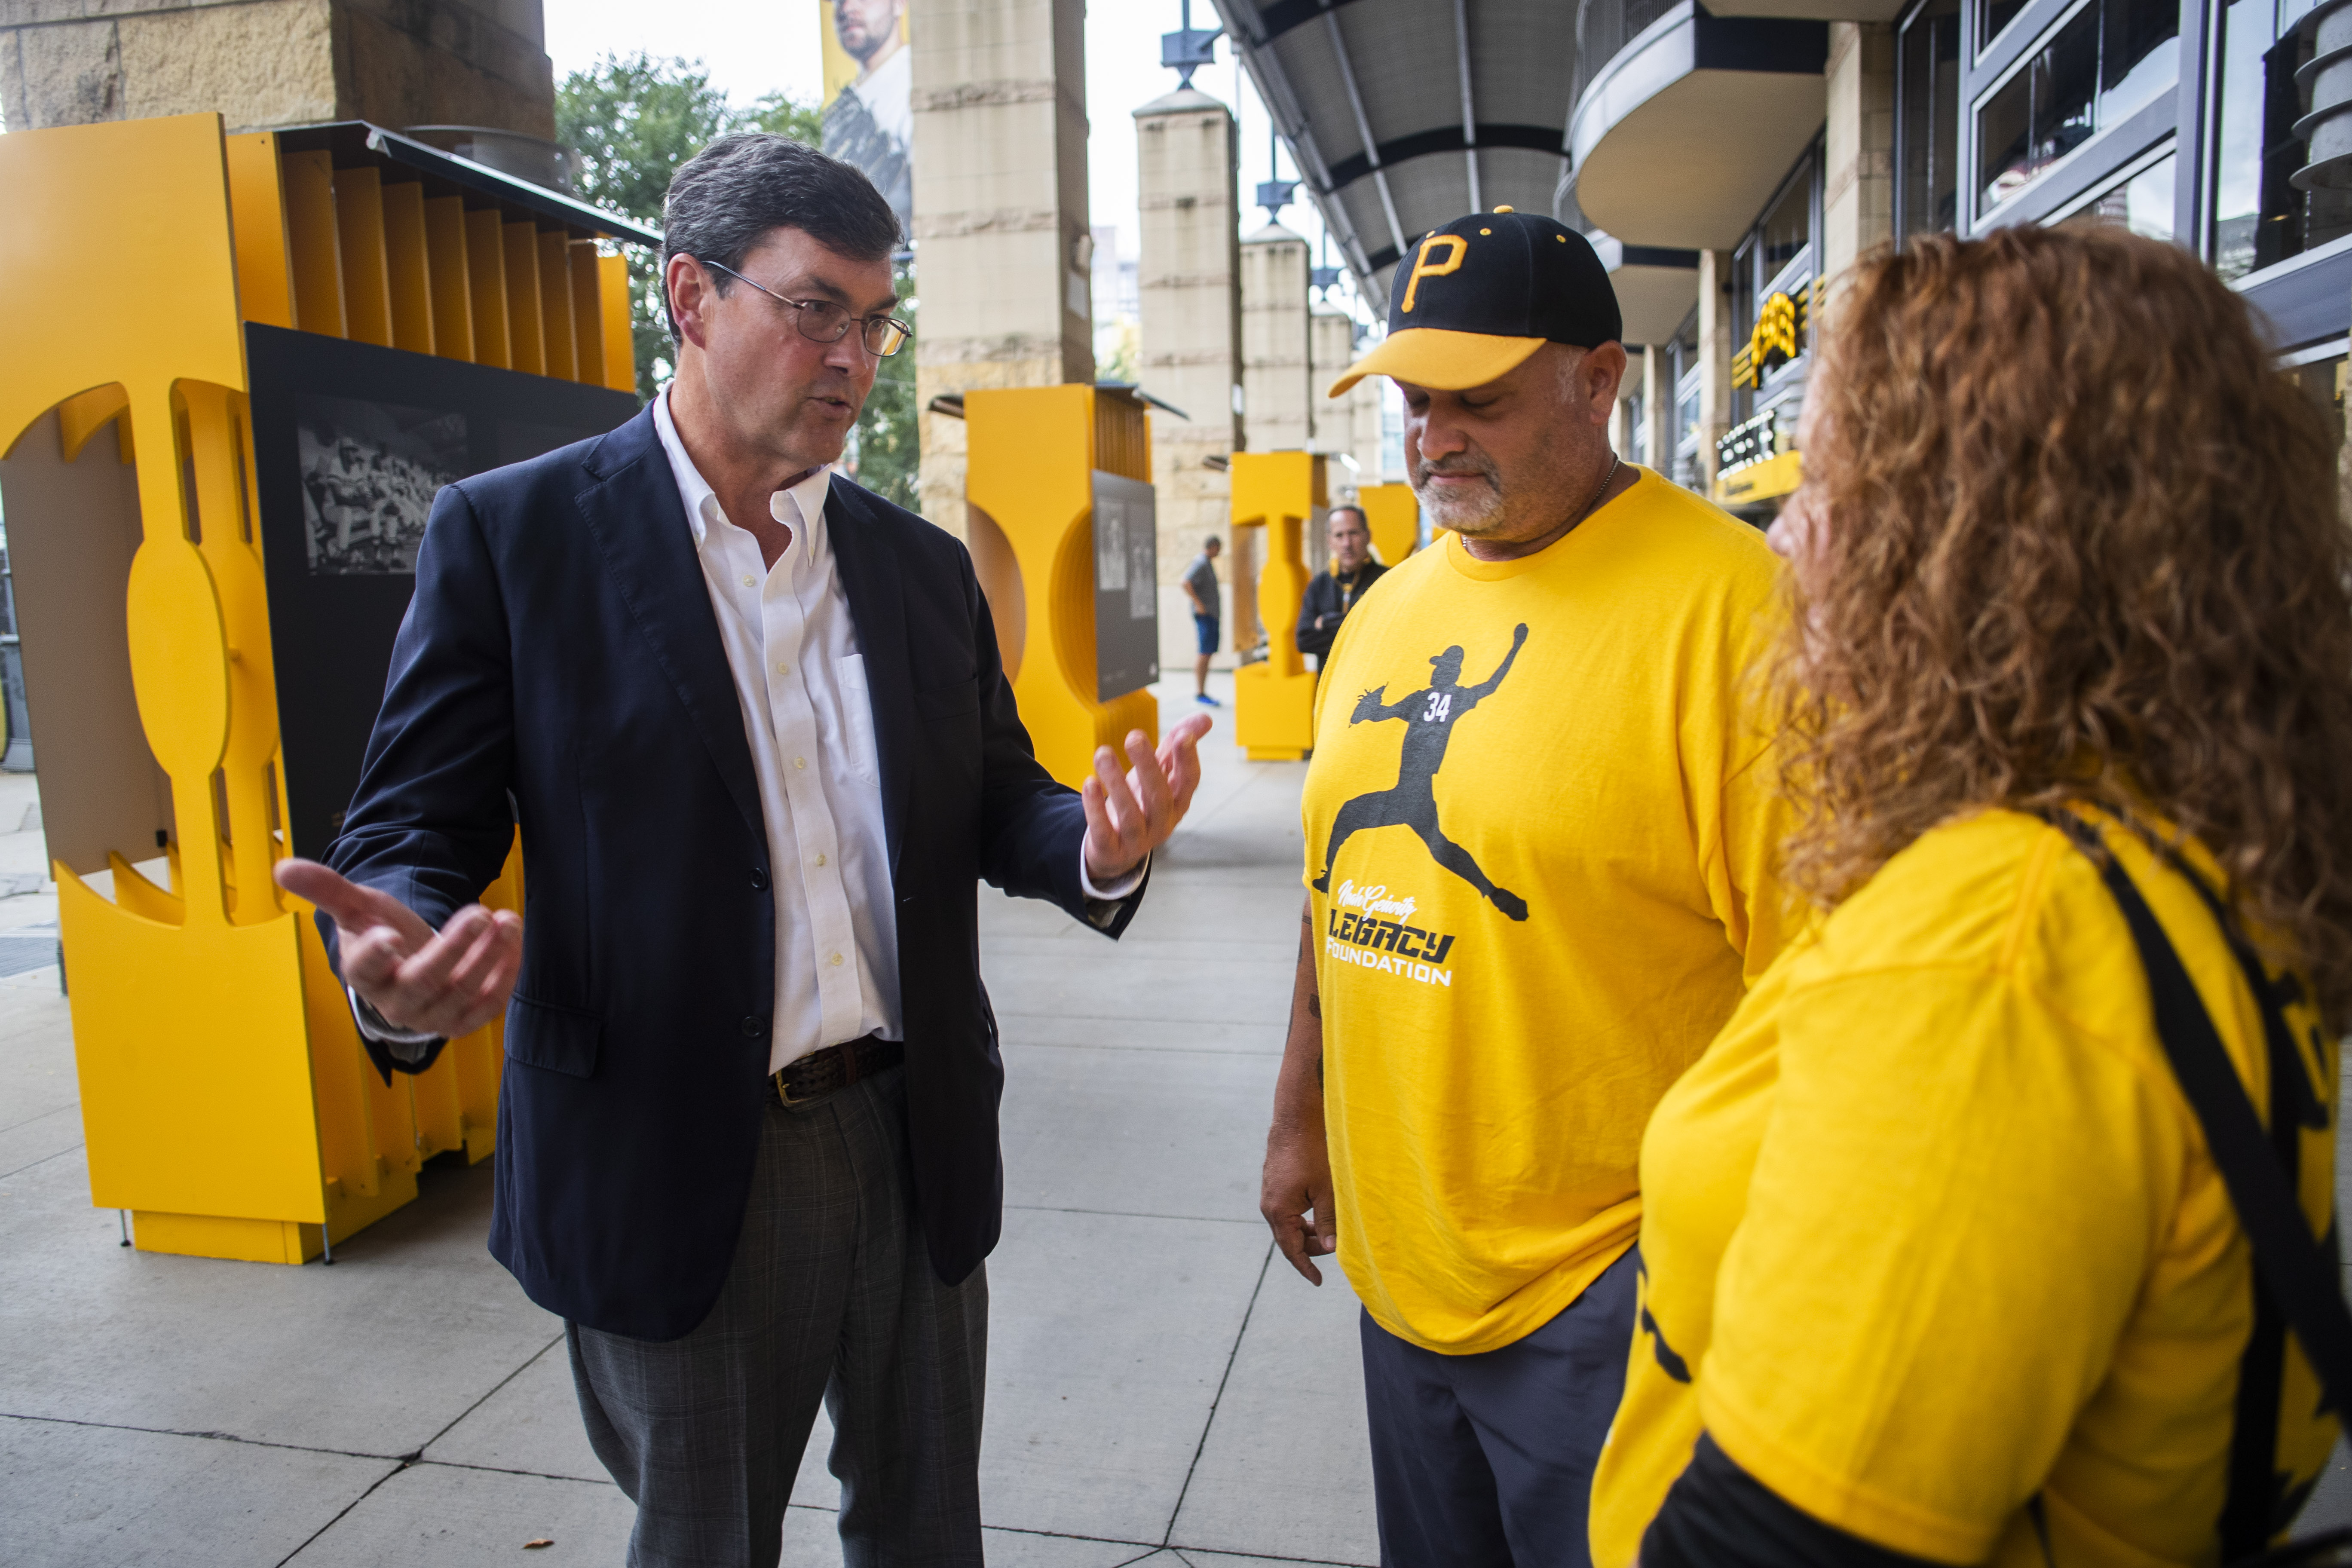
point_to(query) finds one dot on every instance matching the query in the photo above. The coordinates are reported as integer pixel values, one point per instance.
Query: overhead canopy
(1407, 114)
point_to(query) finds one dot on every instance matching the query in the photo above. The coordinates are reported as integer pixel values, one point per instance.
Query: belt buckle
(784, 1094)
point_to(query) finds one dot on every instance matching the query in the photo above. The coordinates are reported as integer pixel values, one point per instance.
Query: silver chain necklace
(1615, 463)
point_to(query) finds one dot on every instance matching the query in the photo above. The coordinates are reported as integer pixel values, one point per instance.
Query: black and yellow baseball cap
(1474, 299)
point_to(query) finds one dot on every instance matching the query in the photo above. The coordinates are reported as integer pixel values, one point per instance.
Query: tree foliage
(634, 118)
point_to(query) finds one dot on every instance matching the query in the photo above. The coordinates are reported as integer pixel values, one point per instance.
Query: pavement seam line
(1169, 1535)
(42, 1161)
(528, 1363)
(202, 1436)
(397, 1466)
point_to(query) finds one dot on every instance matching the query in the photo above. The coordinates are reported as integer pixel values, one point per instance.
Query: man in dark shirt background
(1201, 587)
(1334, 592)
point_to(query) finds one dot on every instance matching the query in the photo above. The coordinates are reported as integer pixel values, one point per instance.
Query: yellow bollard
(226, 1098)
(1274, 700)
(1393, 514)
(1039, 458)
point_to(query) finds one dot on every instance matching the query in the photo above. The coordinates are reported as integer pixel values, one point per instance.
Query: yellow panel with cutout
(1273, 700)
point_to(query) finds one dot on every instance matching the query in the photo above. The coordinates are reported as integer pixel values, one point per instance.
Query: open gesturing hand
(1131, 814)
(450, 983)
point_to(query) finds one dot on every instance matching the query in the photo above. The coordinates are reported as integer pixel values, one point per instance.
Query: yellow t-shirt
(1931, 1228)
(1547, 837)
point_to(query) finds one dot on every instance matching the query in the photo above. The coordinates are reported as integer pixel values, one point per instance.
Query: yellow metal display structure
(1273, 700)
(1393, 512)
(1029, 495)
(225, 1100)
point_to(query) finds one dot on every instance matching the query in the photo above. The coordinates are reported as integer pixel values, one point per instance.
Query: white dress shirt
(800, 680)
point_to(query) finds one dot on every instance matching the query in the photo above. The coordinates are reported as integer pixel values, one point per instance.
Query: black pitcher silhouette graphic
(1429, 717)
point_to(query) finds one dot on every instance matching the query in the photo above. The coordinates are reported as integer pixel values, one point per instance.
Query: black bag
(2295, 1278)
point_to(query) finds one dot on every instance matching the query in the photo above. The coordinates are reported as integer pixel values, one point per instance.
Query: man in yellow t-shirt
(1539, 827)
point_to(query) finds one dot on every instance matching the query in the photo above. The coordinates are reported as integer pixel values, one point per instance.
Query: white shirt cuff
(1117, 889)
(402, 1045)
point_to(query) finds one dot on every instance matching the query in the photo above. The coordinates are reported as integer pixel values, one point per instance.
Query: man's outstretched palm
(448, 983)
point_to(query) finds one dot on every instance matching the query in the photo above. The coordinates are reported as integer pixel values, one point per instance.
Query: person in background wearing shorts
(1201, 586)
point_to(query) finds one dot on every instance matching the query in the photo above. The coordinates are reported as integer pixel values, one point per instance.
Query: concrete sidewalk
(1159, 1382)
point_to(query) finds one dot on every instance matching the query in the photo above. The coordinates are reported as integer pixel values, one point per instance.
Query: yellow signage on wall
(1777, 338)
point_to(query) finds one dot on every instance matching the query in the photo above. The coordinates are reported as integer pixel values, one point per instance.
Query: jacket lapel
(632, 509)
(869, 580)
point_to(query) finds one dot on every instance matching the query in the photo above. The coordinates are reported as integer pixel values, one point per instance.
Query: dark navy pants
(1485, 1461)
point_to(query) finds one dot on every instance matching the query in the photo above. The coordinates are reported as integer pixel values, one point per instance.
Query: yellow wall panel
(587, 315)
(367, 284)
(1274, 700)
(525, 325)
(406, 268)
(555, 306)
(315, 249)
(265, 279)
(452, 278)
(620, 344)
(485, 271)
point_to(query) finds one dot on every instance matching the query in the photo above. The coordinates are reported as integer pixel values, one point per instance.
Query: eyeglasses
(823, 321)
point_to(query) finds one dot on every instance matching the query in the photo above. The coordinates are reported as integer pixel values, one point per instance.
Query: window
(1771, 289)
(1637, 430)
(2259, 218)
(1686, 402)
(2141, 203)
(1928, 67)
(1992, 17)
(2107, 61)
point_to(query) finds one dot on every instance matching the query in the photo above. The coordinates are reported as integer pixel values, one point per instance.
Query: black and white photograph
(370, 471)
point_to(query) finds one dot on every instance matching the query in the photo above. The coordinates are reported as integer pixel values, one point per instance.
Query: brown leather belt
(820, 1073)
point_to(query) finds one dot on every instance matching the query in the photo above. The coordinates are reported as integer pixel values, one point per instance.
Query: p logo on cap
(1421, 267)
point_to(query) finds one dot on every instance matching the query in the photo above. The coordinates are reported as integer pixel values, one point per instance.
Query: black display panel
(350, 443)
(1126, 586)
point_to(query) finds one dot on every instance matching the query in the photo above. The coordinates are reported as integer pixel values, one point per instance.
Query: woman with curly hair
(1939, 1268)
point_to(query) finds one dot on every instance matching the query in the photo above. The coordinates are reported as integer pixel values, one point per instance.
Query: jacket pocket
(555, 1038)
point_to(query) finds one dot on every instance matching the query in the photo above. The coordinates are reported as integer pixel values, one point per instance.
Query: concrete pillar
(1857, 157)
(1000, 168)
(1657, 408)
(1331, 422)
(1276, 353)
(1715, 329)
(1189, 281)
(264, 63)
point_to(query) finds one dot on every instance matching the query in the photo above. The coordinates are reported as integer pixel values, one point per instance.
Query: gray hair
(725, 198)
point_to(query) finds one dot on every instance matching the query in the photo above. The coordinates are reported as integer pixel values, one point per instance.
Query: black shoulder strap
(2291, 1270)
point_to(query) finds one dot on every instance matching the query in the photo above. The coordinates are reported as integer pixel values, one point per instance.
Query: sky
(751, 47)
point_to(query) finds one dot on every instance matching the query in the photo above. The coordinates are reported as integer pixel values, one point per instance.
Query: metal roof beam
(1469, 108)
(1364, 127)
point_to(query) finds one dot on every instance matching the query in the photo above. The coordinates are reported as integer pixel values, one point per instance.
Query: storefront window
(1928, 65)
(2141, 203)
(1772, 274)
(1637, 430)
(2108, 61)
(2259, 218)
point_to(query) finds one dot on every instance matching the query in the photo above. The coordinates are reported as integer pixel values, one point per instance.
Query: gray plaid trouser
(832, 1296)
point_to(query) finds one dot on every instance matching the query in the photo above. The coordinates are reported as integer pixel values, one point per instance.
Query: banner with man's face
(869, 117)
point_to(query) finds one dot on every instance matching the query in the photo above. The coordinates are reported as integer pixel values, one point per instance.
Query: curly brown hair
(2079, 541)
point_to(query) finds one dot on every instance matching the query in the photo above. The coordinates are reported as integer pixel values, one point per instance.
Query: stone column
(265, 63)
(1000, 167)
(1857, 156)
(1276, 354)
(1189, 281)
(1657, 410)
(1714, 346)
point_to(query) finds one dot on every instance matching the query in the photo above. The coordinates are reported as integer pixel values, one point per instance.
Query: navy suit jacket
(561, 669)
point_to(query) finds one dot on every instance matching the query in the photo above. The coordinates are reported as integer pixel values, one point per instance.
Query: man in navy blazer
(753, 725)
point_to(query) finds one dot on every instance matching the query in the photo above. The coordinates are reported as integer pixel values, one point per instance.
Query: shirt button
(783, 669)
(799, 762)
(754, 1026)
(759, 879)
(834, 961)
(749, 580)
(820, 859)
